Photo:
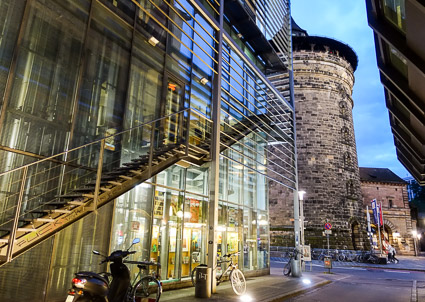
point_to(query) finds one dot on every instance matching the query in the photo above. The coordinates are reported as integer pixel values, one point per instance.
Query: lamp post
(301, 198)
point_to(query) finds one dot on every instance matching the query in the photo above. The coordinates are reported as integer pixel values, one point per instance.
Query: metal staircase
(41, 198)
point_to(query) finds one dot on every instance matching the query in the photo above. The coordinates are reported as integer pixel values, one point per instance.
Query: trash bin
(203, 282)
(295, 268)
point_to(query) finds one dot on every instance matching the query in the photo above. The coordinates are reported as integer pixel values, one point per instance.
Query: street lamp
(301, 198)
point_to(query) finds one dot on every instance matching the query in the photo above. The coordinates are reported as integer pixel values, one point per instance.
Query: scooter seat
(92, 275)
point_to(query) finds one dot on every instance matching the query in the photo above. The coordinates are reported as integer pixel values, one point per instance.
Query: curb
(297, 292)
(393, 268)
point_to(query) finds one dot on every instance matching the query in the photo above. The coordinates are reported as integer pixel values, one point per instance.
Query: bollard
(203, 282)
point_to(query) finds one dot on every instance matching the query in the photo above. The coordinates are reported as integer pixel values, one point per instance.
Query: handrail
(93, 142)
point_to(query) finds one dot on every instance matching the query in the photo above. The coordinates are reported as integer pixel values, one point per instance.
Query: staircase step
(4, 240)
(116, 183)
(76, 203)
(58, 210)
(136, 172)
(38, 220)
(26, 230)
(125, 177)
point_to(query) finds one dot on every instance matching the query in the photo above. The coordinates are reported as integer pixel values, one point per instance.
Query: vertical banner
(368, 220)
(375, 211)
(381, 215)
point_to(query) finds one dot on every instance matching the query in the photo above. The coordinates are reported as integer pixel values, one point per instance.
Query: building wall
(396, 213)
(327, 158)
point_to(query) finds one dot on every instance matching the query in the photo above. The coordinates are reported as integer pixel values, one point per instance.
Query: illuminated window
(394, 11)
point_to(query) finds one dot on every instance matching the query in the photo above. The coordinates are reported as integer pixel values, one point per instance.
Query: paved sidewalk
(274, 287)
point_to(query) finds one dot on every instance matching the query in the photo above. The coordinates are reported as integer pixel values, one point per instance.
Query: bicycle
(148, 286)
(236, 277)
(287, 268)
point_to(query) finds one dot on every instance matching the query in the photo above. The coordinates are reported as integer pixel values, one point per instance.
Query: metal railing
(32, 196)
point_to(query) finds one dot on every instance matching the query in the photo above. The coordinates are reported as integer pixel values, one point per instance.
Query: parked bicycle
(236, 277)
(145, 286)
(287, 269)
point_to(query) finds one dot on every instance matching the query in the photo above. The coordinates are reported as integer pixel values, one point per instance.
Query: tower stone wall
(327, 158)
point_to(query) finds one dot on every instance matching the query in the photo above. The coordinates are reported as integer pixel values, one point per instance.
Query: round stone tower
(327, 158)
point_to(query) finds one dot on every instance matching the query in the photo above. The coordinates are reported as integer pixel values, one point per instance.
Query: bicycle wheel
(193, 274)
(287, 268)
(148, 289)
(237, 279)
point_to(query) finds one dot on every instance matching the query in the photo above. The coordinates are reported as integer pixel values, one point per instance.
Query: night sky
(346, 21)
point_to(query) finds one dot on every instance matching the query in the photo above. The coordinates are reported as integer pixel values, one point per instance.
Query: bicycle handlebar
(142, 262)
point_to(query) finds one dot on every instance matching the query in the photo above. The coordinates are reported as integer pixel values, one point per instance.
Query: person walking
(391, 255)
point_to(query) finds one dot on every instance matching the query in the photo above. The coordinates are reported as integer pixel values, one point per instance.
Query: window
(343, 109)
(350, 188)
(397, 60)
(390, 203)
(394, 11)
(345, 134)
(348, 160)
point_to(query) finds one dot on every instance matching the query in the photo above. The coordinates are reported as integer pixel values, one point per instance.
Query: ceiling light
(153, 41)
(203, 81)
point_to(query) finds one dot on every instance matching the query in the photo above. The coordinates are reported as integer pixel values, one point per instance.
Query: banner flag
(375, 210)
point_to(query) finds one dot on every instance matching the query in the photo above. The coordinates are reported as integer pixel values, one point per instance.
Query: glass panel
(10, 19)
(395, 11)
(101, 105)
(398, 61)
(250, 239)
(194, 234)
(172, 105)
(167, 232)
(197, 180)
(41, 102)
(132, 219)
(263, 240)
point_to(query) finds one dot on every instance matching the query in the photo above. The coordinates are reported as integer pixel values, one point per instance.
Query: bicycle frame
(230, 267)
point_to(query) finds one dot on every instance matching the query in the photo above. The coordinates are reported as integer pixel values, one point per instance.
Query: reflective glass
(101, 104)
(40, 107)
(10, 19)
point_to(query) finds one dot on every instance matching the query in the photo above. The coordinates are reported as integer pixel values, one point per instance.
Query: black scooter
(93, 287)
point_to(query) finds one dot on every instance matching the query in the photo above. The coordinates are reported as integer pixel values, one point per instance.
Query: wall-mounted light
(203, 81)
(153, 41)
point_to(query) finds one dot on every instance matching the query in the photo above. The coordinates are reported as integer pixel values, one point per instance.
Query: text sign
(328, 226)
(328, 232)
(328, 263)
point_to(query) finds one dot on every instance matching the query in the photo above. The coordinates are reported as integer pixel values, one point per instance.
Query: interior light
(153, 41)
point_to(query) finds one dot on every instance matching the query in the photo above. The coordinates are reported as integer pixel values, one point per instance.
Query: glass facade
(395, 12)
(73, 72)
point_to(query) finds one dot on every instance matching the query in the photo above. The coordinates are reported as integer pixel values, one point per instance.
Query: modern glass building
(150, 119)
(400, 51)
